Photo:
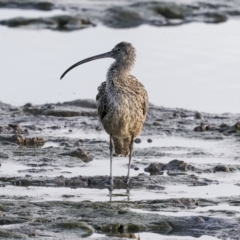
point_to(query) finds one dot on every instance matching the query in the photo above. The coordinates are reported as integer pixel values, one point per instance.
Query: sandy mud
(185, 175)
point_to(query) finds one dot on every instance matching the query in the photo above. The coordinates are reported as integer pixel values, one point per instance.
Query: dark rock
(28, 105)
(198, 115)
(118, 17)
(79, 153)
(176, 115)
(84, 103)
(224, 125)
(83, 229)
(28, 141)
(237, 126)
(41, 5)
(178, 165)
(137, 140)
(16, 128)
(155, 168)
(174, 165)
(175, 173)
(221, 168)
(20, 140)
(33, 127)
(155, 187)
(9, 234)
(149, 140)
(214, 17)
(172, 11)
(203, 128)
(61, 113)
(59, 23)
(98, 128)
(3, 155)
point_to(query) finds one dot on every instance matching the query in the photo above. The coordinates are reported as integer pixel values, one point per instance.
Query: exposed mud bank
(117, 14)
(179, 169)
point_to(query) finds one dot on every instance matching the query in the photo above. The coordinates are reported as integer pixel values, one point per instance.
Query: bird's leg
(111, 157)
(129, 165)
(109, 181)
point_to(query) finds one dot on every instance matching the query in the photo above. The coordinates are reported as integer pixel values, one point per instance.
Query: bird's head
(124, 54)
(123, 51)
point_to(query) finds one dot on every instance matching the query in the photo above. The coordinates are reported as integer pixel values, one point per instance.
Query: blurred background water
(193, 66)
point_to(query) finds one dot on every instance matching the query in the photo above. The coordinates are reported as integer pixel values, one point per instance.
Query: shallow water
(154, 236)
(200, 211)
(193, 66)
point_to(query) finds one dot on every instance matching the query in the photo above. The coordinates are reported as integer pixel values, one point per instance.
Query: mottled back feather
(122, 100)
(135, 94)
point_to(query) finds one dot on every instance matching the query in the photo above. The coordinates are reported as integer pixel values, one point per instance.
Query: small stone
(178, 165)
(237, 126)
(203, 128)
(79, 153)
(137, 140)
(156, 123)
(149, 140)
(221, 168)
(50, 106)
(176, 115)
(27, 105)
(198, 115)
(98, 128)
(154, 168)
(224, 125)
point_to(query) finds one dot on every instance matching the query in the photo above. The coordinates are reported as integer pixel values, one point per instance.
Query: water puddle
(155, 236)
(199, 211)
(178, 142)
(80, 134)
(14, 13)
(181, 47)
(210, 191)
(37, 194)
(96, 167)
(50, 144)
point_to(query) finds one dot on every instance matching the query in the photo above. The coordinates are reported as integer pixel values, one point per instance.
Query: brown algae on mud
(53, 190)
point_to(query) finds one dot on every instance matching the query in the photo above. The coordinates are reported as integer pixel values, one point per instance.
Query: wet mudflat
(185, 175)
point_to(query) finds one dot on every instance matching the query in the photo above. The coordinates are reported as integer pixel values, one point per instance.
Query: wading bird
(122, 103)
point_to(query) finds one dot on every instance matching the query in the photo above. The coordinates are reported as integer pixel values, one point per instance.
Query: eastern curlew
(122, 103)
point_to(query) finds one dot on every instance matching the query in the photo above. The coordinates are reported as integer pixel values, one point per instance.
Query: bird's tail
(122, 146)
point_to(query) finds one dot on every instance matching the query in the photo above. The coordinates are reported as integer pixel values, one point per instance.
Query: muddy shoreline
(122, 14)
(44, 144)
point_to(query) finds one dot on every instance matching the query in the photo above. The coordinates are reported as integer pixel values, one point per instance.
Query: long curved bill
(103, 55)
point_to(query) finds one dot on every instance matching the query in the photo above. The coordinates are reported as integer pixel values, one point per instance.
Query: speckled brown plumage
(122, 103)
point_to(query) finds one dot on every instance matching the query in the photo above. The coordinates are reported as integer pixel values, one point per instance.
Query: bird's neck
(118, 74)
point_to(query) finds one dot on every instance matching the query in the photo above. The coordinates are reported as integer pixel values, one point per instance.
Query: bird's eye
(119, 50)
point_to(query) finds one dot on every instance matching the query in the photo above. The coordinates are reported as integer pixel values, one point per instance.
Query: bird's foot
(108, 183)
(128, 181)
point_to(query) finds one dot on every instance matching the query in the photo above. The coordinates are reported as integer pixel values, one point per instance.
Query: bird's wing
(102, 101)
(141, 92)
